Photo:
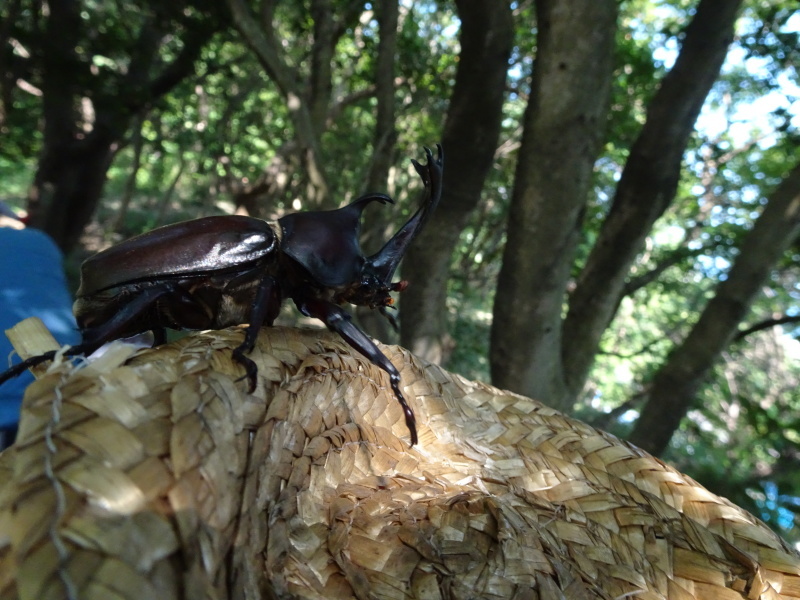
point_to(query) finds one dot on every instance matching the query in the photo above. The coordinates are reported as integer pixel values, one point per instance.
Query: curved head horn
(384, 262)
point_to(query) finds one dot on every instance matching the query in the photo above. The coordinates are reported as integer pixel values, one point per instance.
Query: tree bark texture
(261, 39)
(385, 135)
(645, 190)
(470, 138)
(384, 140)
(674, 385)
(564, 125)
(8, 70)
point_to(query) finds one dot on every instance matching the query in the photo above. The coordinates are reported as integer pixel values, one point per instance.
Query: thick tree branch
(184, 63)
(73, 165)
(338, 105)
(675, 257)
(7, 59)
(322, 50)
(674, 385)
(385, 136)
(647, 185)
(766, 324)
(384, 139)
(260, 39)
(470, 138)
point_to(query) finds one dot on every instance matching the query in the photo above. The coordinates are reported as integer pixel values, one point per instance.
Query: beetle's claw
(19, 368)
(250, 368)
(422, 172)
(411, 420)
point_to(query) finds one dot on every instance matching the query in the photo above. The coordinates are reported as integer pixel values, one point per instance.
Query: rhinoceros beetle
(216, 272)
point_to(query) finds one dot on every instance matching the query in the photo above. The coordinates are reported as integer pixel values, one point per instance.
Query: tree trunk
(564, 126)
(69, 185)
(385, 136)
(261, 38)
(130, 182)
(469, 140)
(165, 200)
(674, 385)
(77, 150)
(384, 140)
(646, 189)
(8, 72)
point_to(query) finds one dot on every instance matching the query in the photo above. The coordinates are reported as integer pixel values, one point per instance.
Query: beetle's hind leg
(159, 336)
(126, 318)
(33, 361)
(26, 364)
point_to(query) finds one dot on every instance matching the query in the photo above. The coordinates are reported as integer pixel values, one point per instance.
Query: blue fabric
(32, 284)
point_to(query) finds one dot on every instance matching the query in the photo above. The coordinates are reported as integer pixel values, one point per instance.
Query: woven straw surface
(158, 476)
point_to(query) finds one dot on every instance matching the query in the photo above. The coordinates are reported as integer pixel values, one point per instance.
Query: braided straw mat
(158, 476)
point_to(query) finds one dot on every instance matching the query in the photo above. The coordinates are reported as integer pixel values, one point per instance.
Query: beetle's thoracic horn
(326, 242)
(384, 262)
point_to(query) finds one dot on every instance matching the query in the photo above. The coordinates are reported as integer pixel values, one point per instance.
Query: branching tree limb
(260, 37)
(73, 164)
(674, 385)
(765, 324)
(384, 140)
(646, 188)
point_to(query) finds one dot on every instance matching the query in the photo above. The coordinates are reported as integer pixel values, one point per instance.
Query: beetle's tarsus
(390, 317)
(250, 368)
(411, 420)
(339, 320)
(28, 363)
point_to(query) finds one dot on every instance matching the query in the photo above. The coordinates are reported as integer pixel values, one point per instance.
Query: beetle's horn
(385, 261)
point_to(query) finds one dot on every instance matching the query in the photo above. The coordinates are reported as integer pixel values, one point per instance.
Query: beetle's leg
(33, 361)
(264, 309)
(337, 319)
(94, 337)
(389, 317)
(159, 336)
(20, 368)
(120, 325)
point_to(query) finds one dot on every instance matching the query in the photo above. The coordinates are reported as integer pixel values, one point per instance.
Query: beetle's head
(375, 287)
(373, 292)
(326, 245)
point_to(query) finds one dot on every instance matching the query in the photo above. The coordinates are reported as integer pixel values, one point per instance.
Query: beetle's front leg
(339, 320)
(95, 336)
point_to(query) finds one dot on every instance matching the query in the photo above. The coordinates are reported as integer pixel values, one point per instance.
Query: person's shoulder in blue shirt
(32, 284)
